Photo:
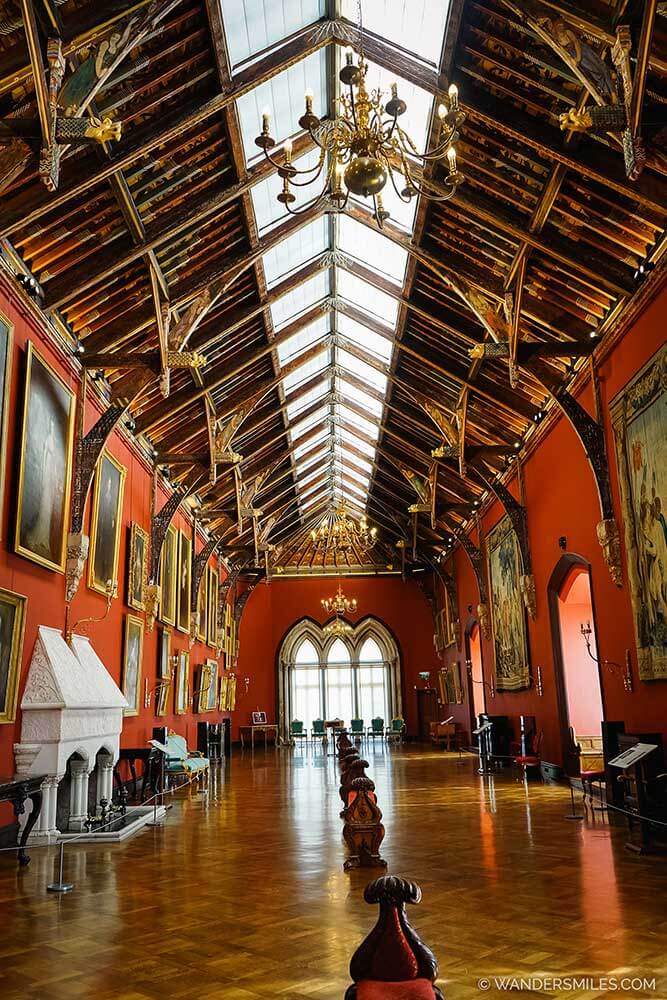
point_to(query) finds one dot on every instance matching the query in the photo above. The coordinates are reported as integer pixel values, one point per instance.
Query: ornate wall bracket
(198, 566)
(591, 434)
(160, 522)
(477, 562)
(77, 553)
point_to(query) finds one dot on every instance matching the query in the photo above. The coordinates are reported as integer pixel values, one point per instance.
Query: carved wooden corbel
(592, 437)
(199, 562)
(87, 450)
(476, 558)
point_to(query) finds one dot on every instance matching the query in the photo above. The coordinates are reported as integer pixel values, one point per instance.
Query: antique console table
(153, 769)
(250, 731)
(18, 791)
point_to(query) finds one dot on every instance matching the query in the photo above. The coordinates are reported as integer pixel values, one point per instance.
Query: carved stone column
(104, 777)
(78, 800)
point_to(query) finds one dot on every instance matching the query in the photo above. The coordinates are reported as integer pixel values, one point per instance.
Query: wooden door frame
(558, 576)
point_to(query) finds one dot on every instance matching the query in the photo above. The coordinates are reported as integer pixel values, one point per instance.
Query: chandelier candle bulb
(394, 90)
(288, 150)
(349, 55)
(266, 120)
(451, 156)
(442, 111)
(454, 97)
(309, 102)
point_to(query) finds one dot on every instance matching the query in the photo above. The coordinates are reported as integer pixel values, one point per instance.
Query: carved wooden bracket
(592, 437)
(198, 566)
(160, 522)
(476, 558)
(87, 451)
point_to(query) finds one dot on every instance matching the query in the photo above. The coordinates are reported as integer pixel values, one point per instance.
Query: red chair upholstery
(533, 758)
(392, 963)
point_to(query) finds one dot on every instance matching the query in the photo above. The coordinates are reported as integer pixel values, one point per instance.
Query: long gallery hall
(333, 479)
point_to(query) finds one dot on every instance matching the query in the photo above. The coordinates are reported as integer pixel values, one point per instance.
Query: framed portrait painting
(163, 672)
(105, 524)
(231, 692)
(45, 467)
(510, 638)
(6, 341)
(12, 626)
(168, 564)
(132, 654)
(181, 692)
(202, 608)
(639, 419)
(222, 698)
(183, 583)
(213, 685)
(212, 606)
(137, 568)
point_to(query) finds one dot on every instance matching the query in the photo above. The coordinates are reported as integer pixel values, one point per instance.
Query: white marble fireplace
(71, 708)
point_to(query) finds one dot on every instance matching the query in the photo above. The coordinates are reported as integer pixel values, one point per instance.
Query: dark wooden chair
(363, 831)
(531, 759)
(393, 963)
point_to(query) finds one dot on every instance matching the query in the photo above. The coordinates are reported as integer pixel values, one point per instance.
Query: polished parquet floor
(241, 894)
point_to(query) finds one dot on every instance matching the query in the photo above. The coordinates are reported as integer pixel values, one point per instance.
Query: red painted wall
(45, 590)
(273, 609)
(561, 499)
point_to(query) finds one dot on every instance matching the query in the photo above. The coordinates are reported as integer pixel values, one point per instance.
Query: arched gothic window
(355, 677)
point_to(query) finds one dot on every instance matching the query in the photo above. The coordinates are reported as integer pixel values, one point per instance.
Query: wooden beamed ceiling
(546, 223)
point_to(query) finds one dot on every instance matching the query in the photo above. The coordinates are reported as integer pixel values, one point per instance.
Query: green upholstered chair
(396, 729)
(183, 763)
(376, 728)
(318, 732)
(297, 732)
(357, 727)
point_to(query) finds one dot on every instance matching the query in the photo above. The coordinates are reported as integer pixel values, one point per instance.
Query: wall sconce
(111, 591)
(611, 665)
(148, 694)
(538, 681)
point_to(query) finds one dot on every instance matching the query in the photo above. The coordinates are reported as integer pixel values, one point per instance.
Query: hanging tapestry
(508, 611)
(639, 416)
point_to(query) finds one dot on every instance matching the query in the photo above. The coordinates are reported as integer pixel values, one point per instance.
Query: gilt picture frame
(6, 350)
(168, 564)
(165, 679)
(211, 608)
(12, 630)
(105, 523)
(45, 465)
(181, 689)
(202, 608)
(222, 697)
(183, 582)
(132, 663)
(137, 566)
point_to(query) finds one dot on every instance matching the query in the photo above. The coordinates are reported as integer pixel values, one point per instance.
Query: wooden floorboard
(241, 894)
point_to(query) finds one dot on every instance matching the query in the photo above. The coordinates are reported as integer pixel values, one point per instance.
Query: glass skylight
(304, 339)
(415, 25)
(369, 246)
(372, 300)
(360, 368)
(293, 409)
(283, 97)
(254, 25)
(307, 370)
(300, 299)
(359, 334)
(296, 250)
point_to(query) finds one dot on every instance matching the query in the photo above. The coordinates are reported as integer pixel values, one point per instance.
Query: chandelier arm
(311, 180)
(274, 163)
(434, 197)
(406, 201)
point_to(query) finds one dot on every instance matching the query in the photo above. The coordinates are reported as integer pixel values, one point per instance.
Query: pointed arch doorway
(475, 670)
(577, 673)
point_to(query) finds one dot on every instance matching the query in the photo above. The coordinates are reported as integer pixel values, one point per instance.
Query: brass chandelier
(339, 532)
(339, 603)
(362, 147)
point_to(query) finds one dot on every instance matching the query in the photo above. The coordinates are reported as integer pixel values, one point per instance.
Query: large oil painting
(12, 624)
(183, 583)
(6, 338)
(132, 655)
(168, 561)
(639, 415)
(45, 465)
(510, 639)
(181, 693)
(212, 605)
(105, 524)
(165, 679)
(202, 607)
(137, 567)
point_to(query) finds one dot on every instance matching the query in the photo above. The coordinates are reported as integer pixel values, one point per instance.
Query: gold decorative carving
(575, 120)
(185, 359)
(609, 539)
(77, 553)
(152, 601)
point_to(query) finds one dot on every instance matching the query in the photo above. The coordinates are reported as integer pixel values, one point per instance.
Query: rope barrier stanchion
(60, 886)
(573, 814)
